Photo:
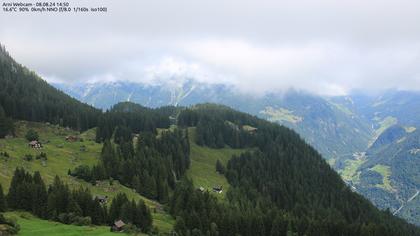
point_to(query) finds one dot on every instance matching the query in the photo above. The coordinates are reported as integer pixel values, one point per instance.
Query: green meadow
(203, 165)
(32, 226)
(62, 156)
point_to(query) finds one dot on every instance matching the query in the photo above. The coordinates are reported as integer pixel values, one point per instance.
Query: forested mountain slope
(387, 172)
(25, 96)
(390, 172)
(334, 130)
(284, 186)
(60, 157)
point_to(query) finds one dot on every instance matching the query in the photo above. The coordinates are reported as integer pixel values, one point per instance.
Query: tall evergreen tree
(219, 167)
(59, 199)
(2, 200)
(39, 196)
(6, 124)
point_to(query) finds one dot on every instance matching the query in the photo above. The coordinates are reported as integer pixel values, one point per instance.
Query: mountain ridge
(338, 127)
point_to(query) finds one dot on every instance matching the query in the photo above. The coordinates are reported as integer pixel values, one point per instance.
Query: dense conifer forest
(25, 96)
(134, 117)
(58, 202)
(284, 187)
(151, 167)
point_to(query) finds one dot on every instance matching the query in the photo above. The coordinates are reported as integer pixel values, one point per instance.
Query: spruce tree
(6, 124)
(219, 167)
(32, 135)
(39, 196)
(14, 196)
(135, 183)
(2, 200)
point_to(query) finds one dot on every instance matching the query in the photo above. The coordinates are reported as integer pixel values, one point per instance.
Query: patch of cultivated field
(350, 173)
(385, 171)
(281, 114)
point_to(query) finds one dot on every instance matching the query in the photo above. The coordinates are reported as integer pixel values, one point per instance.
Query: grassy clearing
(350, 173)
(281, 114)
(332, 161)
(385, 171)
(342, 108)
(383, 125)
(32, 226)
(62, 156)
(161, 130)
(410, 129)
(203, 165)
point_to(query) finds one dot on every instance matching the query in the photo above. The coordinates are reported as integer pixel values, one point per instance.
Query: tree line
(6, 124)
(78, 206)
(217, 126)
(151, 167)
(25, 96)
(133, 116)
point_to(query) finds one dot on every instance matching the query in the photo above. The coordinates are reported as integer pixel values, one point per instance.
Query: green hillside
(203, 164)
(62, 156)
(389, 176)
(32, 226)
(26, 96)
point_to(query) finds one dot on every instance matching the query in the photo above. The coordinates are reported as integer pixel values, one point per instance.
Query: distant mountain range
(357, 134)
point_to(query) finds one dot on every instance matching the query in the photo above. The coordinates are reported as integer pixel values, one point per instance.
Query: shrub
(5, 154)
(73, 219)
(82, 172)
(131, 229)
(42, 156)
(10, 226)
(32, 135)
(79, 220)
(28, 157)
(220, 168)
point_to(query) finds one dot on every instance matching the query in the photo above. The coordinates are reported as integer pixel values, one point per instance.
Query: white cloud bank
(326, 47)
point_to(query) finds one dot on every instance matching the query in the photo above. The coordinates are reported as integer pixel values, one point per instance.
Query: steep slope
(63, 156)
(283, 185)
(203, 165)
(103, 95)
(387, 137)
(25, 96)
(400, 105)
(335, 131)
(390, 174)
(35, 105)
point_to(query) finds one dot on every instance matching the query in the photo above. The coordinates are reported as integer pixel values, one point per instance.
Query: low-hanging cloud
(325, 47)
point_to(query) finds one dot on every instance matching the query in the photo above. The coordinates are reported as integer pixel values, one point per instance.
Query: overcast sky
(326, 47)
